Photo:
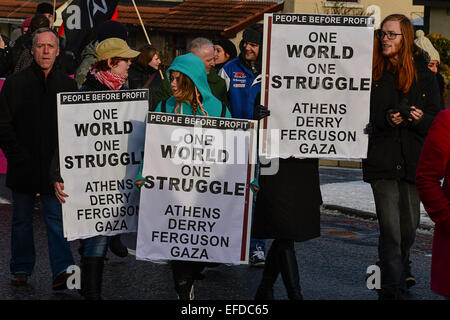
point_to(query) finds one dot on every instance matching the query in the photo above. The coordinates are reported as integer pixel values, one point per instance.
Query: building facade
(436, 16)
(379, 8)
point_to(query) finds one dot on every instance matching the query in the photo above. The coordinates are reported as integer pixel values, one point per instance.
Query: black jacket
(28, 126)
(22, 45)
(5, 57)
(394, 151)
(441, 84)
(288, 202)
(92, 84)
(138, 77)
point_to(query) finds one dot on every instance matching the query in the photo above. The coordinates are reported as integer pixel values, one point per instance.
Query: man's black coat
(28, 126)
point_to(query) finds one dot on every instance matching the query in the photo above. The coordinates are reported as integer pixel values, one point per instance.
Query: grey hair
(43, 30)
(198, 43)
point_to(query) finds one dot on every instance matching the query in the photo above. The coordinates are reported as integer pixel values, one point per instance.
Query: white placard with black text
(195, 202)
(101, 142)
(316, 83)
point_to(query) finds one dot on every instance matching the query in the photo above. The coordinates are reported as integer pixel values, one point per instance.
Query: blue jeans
(23, 256)
(398, 211)
(94, 247)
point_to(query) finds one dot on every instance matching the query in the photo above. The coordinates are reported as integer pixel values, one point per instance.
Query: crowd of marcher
(213, 79)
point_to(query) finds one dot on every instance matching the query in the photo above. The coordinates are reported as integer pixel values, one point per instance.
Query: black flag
(81, 20)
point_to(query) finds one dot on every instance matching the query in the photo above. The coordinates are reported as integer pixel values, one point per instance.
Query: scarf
(109, 79)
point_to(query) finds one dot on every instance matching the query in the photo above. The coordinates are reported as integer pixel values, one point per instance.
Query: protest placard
(101, 143)
(316, 82)
(196, 201)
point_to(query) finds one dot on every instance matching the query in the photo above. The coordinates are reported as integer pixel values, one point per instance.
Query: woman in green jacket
(190, 74)
(191, 96)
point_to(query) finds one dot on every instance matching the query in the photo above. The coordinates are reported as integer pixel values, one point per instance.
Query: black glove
(404, 109)
(368, 129)
(389, 114)
(260, 112)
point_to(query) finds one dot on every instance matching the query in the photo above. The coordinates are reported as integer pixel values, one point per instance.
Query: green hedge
(442, 45)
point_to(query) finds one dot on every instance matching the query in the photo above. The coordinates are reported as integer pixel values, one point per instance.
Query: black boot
(185, 289)
(270, 275)
(183, 272)
(91, 277)
(409, 278)
(390, 294)
(289, 271)
(116, 246)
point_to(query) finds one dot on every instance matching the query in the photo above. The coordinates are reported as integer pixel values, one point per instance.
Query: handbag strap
(149, 81)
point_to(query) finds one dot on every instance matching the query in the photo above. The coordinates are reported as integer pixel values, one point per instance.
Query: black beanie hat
(253, 34)
(44, 8)
(112, 29)
(227, 46)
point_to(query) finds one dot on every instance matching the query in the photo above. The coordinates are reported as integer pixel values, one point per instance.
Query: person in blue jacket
(241, 72)
(191, 96)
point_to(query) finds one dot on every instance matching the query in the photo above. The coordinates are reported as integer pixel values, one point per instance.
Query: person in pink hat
(25, 25)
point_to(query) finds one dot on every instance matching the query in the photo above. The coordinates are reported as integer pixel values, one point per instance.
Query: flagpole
(142, 24)
(54, 9)
(145, 31)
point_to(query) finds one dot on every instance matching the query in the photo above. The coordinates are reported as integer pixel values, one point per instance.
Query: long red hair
(403, 68)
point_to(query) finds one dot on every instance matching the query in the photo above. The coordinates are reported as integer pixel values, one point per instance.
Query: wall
(387, 7)
(4, 29)
(440, 21)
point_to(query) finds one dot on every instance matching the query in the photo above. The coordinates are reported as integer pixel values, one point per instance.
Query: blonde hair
(188, 92)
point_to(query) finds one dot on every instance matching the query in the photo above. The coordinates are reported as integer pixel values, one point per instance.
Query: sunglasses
(124, 59)
(390, 35)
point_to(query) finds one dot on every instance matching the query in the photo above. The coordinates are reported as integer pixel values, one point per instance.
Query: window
(343, 4)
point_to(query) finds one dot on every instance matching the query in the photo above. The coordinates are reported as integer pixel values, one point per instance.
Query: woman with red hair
(404, 102)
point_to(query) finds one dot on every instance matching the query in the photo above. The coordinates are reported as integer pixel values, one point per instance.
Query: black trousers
(185, 271)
